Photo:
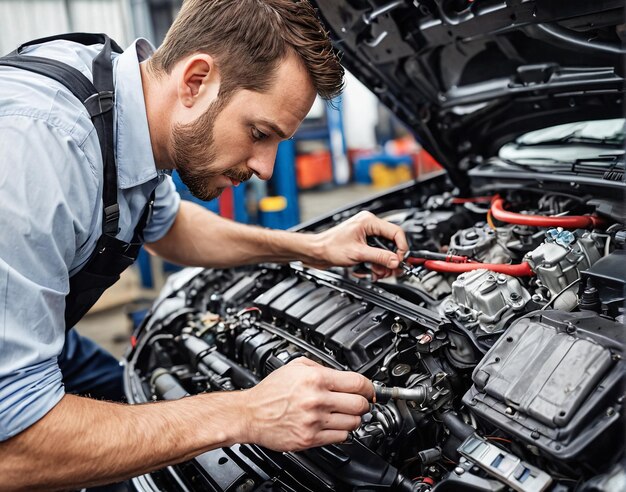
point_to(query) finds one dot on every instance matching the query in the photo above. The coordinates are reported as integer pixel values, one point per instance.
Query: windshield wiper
(538, 164)
(615, 140)
(600, 165)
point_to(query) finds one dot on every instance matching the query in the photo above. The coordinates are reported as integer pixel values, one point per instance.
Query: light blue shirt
(51, 212)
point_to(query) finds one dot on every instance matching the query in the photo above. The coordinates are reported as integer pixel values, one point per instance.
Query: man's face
(238, 137)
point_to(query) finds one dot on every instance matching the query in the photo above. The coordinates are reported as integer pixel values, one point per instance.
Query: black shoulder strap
(98, 97)
(85, 38)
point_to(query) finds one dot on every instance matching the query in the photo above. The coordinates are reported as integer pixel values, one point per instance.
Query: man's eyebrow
(275, 128)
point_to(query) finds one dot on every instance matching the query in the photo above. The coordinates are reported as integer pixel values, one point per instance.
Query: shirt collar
(133, 149)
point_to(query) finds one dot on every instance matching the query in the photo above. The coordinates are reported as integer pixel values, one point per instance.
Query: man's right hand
(77, 443)
(304, 405)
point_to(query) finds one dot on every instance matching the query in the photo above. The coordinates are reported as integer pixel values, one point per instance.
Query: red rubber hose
(516, 270)
(569, 222)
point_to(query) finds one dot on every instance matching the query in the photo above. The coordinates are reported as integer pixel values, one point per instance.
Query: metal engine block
(559, 261)
(485, 298)
(480, 243)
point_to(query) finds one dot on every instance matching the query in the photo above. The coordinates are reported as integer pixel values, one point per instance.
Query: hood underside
(467, 76)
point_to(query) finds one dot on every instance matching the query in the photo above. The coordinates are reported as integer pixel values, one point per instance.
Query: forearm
(201, 238)
(83, 442)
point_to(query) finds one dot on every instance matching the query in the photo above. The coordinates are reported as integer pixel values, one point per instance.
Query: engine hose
(166, 385)
(456, 426)
(569, 222)
(515, 270)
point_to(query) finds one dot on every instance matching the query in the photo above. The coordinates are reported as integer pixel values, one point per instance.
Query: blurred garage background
(344, 151)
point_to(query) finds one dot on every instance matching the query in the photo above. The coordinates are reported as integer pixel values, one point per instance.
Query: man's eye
(257, 134)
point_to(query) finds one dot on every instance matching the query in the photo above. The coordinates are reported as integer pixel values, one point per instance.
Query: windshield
(598, 131)
(590, 141)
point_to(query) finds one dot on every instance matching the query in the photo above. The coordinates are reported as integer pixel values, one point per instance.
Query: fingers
(350, 391)
(380, 271)
(347, 404)
(378, 227)
(378, 256)
(330, 437)
(337, 381)
(311, 404)
(345, 244)
(373, 226)
(339, 421)
(306, 362)
(348, 382)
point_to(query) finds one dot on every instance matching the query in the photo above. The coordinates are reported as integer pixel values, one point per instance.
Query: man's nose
(262, 162)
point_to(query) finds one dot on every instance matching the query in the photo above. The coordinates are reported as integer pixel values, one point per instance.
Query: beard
(194, 154)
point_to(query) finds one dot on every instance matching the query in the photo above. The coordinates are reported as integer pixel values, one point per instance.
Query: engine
(497, 356)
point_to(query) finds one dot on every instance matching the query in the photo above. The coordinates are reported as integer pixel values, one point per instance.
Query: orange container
(314, 169)
(424, 163)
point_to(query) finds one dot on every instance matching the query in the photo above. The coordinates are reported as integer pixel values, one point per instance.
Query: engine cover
(548, 378)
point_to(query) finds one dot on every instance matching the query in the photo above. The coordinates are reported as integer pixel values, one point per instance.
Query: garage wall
(22, 20)
(360, 114)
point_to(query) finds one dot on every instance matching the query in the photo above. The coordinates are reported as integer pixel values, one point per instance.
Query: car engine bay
(497, 356)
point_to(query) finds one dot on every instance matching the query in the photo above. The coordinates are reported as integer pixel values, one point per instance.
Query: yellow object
(273, 204)
(490, 220)
(403, 173)
(384, 177)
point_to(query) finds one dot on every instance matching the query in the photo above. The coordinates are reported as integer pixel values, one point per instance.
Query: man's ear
(199, 80)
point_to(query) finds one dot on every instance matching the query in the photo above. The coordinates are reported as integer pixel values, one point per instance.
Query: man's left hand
(346, 244)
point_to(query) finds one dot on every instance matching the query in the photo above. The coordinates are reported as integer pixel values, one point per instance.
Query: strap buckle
(100, 103)
(111, 219)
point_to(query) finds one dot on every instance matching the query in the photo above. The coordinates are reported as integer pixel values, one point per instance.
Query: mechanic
(231, 80)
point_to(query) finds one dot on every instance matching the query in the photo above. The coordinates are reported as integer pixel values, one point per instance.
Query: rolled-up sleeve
(43, 175)
(166, 205)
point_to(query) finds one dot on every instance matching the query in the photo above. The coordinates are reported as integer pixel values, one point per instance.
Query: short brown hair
(248, 38)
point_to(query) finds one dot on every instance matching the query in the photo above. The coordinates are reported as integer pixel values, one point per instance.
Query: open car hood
(467, 76)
